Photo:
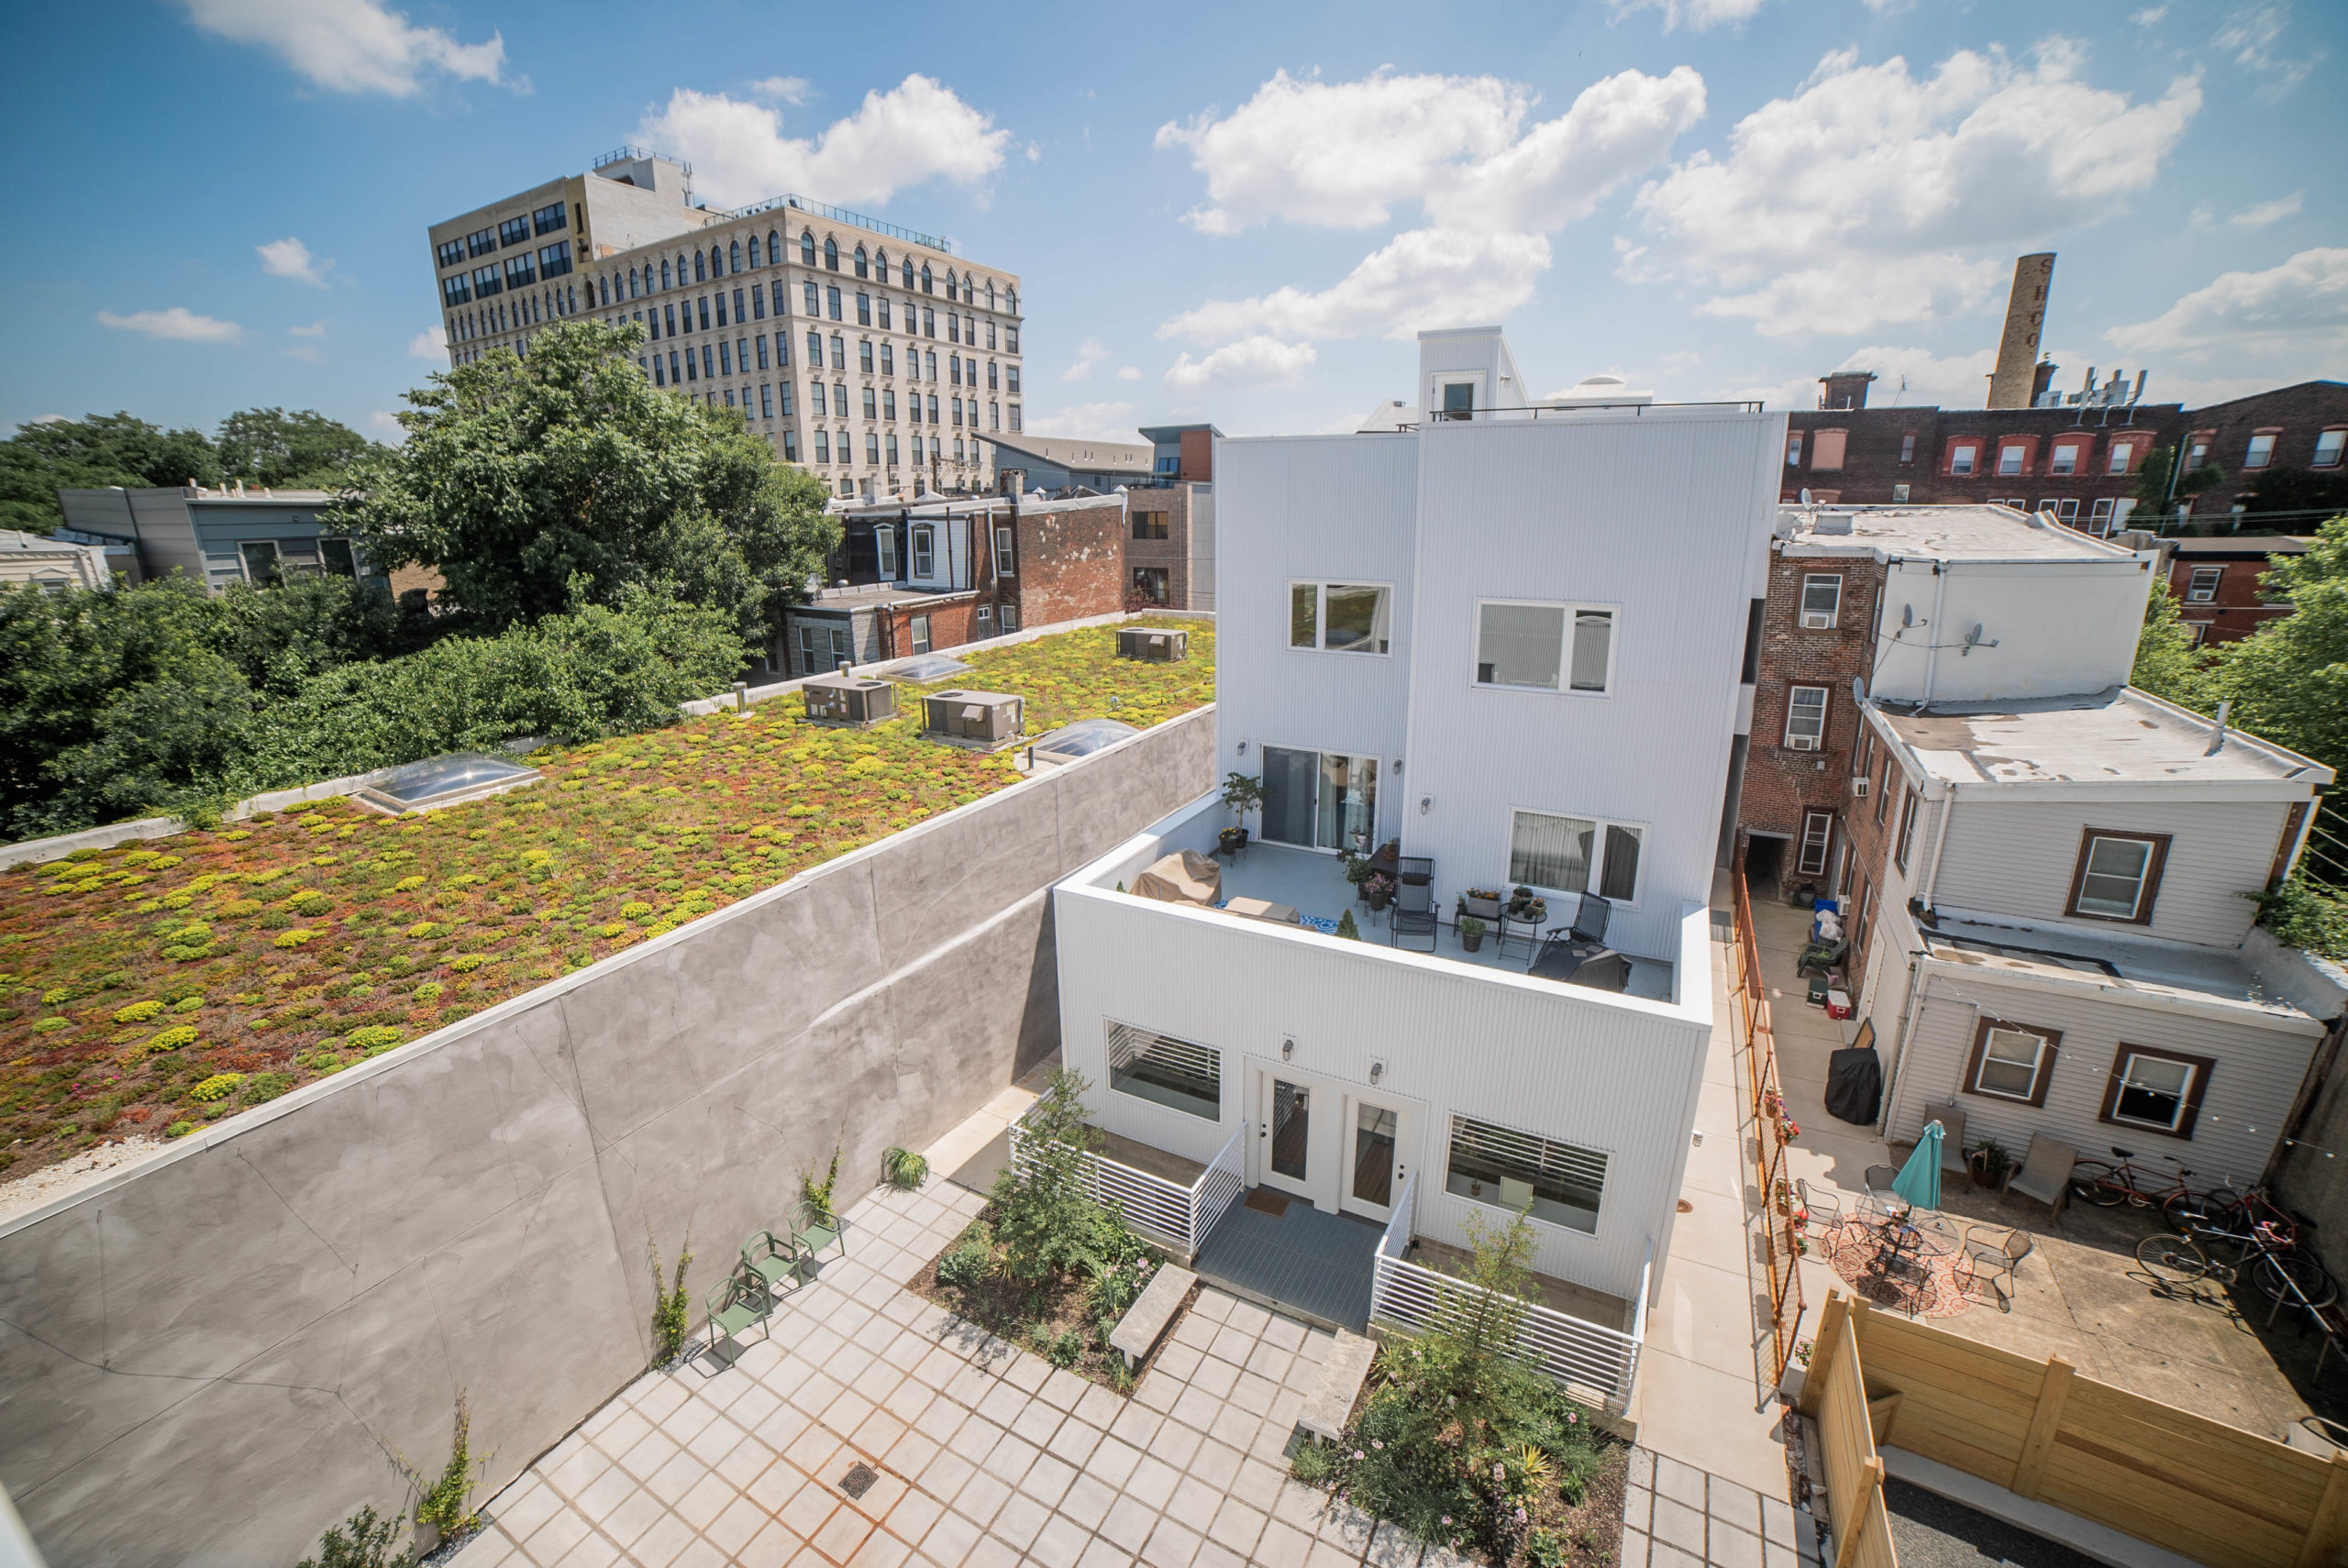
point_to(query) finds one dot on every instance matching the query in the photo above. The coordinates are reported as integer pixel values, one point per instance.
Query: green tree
(304, 449)
(542, 486)
(2156, 500)
(2288, 680)
(1046, 1217)
(2167, 664)
(2291, 489)
(90, 454)
(364, 1540)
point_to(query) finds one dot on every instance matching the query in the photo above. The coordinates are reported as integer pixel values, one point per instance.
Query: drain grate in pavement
(858, 1480)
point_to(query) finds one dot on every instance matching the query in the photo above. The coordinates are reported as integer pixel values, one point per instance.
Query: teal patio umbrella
(1920, 1179)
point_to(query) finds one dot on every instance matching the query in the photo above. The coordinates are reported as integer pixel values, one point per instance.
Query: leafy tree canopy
(304, 449)
(2167, 664)
(2155, 497)
(543, 486)
(2288, 681)
(90, 454)
(2292, 490)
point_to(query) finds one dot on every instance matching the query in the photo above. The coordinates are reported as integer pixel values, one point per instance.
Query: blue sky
(1236, 213)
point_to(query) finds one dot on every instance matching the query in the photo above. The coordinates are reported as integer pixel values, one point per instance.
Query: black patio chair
(1592, 917)
(1414, 870)
(1411, 913)
(1566, 948)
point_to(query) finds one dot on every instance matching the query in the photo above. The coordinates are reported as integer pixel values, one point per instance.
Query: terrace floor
(1315, 885)
(1319, 1267)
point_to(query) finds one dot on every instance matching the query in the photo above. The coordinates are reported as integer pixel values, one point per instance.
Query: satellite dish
(1907, 616)
(1805, 496)
(1973, 637)
(1858, 690)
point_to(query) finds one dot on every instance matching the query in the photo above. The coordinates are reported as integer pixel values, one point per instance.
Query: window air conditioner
(1801, 742)
(1817, 620)
(1859, 787)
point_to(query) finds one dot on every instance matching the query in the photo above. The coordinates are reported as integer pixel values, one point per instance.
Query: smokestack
(2010, 384)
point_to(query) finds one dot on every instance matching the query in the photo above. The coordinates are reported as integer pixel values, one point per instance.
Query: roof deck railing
(840, 215)
(1565, 410)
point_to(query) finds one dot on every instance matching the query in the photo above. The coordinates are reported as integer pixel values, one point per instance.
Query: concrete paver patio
(984, 1454)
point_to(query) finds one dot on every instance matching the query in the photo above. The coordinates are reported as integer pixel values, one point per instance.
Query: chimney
(2041, 374)
(2010, 384)
(1846, 389)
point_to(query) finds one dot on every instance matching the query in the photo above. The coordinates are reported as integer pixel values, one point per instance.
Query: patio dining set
(767, 1269)
(1574, 952)
(1899, 1242)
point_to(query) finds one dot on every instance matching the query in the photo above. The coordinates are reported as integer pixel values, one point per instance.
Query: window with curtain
(1576, 855)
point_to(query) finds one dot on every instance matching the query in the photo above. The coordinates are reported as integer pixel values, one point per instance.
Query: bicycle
(2108, 1185)
(2269, 1258)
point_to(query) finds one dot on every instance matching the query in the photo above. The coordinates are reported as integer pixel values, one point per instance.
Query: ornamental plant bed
(1467, 1446)
(165, 983)
(1047, 1266)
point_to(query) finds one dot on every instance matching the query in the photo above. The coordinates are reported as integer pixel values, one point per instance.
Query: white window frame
(1645, 831)
(2020, 453)
(884, 545)
(2196, 591)
(2068, 458)
(1824, 619)
(2128, 1074)
(1964, 458)
(1004, 563)
(2254, 456)
(1818, 832)
(1320, 587)
(917, 634)
(1604, 1156)
(2338, 438)
(1568, 610)
(1010, 621)
(1111, 1030)
(925, 542)
(1825, 711)
(2038, 1065)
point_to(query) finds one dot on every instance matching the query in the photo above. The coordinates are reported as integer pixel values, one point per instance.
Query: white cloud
(1426, 277)
(432, 343)
(289, 258)
(2261, 214)
(1252, 362)
(2296, 313)
(304, 351)
(316, 330)
(1702, 14)
(351, 46)
(2149, 17)
(177, 324)
(2251, 35)
(918, 130)
(789, 90)
(1340, 155)
(1940, 176)
(1089, 353)
(1129, 373)
(1098, 421)
(385, 426)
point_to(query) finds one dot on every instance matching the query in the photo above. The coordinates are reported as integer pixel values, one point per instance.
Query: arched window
(862, 261)
(700, 274)
(949, 284)
(664, 274)
(807, 248)
(631, 283)
(774, 249)
(909, 271)
(734, 254)
(881, 265)
(716, 262)
(990, 293)
(831, 254)
(1009, 300)
(925, 278)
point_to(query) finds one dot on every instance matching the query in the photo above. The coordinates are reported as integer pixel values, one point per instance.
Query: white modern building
(1504, 640)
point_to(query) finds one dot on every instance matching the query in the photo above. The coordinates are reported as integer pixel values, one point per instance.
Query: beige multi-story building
(869, 354)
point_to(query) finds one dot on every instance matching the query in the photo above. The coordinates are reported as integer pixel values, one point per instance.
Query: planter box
(1486, 910)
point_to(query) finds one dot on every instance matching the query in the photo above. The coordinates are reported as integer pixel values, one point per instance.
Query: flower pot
(1486, 910)
(1472, 940)
(1233, 838)
(1377, 898)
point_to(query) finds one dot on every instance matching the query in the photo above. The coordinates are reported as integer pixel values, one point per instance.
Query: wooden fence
(2194, 1486)
(1757, 1044)
(1834, 1393)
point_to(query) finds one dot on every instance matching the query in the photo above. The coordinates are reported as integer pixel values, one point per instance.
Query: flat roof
(841, 601)
(2171, 969)
(2244, 546)
(1079, 452)
(2111, 736)
(1974, 531)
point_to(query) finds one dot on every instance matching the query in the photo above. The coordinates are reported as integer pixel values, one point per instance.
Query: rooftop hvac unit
(987, 719)
(1153, 645)
(848, 700)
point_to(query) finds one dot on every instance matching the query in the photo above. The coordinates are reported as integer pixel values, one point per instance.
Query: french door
(1284, 1135)
(1355, 1164)
(1320, 800)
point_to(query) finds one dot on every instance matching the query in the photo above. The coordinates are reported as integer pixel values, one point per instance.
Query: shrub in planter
(904, 1169)
(1471, 933)
(967, 1265)
(1988, 1161)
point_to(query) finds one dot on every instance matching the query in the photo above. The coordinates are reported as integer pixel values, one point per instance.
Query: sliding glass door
(1320, 800)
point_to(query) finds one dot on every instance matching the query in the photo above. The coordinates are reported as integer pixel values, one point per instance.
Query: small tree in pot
(1471, 933)
(1243, 793)
(1988, 1161)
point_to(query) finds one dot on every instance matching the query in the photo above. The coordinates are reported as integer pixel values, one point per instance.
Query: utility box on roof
(848, 700)
(1153, 645)
(986, 718)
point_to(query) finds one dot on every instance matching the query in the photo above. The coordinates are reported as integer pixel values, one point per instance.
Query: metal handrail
(840, 215)
(1559, 410)
(629, 152)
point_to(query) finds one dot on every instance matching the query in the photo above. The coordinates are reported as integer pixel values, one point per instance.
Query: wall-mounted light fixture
(1426, 804)
(1377, 1069)
(1243, 748)
(1288, 1047)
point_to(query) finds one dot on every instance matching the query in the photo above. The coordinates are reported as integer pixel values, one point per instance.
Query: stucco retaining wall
(206, 1358)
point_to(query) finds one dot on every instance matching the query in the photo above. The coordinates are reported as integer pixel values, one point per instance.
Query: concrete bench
(1342, 1375)
(1145, 1321)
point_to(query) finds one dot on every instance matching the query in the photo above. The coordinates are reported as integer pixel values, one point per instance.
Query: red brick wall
(1872, 466)
(1173, 552)
(1069, 564)
(951, 623)
(1198, 456)
(2296, 415)
(1869, 847)
(2237, 610)
(1780, 784)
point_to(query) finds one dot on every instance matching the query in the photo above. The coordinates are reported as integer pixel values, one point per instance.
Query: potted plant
(1527, 908)
(1988, 1161)
(1484, 903)
(1357, 870)
(1243, 793)
(1471, 933)
(1378, 888)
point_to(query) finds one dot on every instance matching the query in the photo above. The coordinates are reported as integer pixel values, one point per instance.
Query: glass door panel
(1349, 801)
(1289, 1126)
(1288, 784)
(1373, 1180)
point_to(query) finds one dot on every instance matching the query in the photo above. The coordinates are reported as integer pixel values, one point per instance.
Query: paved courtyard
(984, 1452)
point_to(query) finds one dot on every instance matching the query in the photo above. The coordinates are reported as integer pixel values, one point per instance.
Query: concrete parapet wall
(207, 1357)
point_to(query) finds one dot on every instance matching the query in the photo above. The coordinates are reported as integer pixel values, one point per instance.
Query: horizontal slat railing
(1217, 1190)
(1596, 1362)
(1175, 1216)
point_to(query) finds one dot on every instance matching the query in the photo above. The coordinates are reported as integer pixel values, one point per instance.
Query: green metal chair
(734, 1305)
(770, 1261)
(811, 1231)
